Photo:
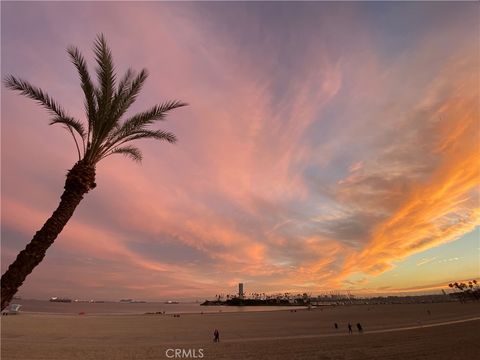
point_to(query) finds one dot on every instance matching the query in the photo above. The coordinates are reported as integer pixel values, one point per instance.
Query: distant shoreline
(330, 301)
(249, 302)
(41, 307)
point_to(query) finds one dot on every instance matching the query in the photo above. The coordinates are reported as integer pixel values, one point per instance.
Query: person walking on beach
(216, 336)
(350, 328)
(336, 326)
(359, 327)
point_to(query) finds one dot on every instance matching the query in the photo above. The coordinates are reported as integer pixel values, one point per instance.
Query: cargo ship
(59, 299)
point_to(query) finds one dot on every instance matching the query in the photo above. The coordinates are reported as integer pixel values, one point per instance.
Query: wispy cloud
(425, 261)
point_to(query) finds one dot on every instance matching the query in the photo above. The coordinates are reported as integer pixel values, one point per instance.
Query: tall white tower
(240, 290)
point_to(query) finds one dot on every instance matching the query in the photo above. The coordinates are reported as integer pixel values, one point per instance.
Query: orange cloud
(443, 206)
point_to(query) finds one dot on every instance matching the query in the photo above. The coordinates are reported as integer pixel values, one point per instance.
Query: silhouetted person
(350, 328)
(216, 336)
(336, 326)
(359, 327)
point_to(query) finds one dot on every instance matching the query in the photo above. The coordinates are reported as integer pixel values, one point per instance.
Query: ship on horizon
(132, 301)
(59, 299)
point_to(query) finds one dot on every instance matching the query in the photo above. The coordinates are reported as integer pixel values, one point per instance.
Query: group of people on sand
(216, 333)
(350, 328)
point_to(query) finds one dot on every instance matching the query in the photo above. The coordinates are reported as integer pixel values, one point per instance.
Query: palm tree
(107, 132)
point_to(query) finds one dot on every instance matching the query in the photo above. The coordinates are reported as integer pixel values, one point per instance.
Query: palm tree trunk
(80, 179)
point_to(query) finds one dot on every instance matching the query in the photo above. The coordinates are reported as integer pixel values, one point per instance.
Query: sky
(326, 146)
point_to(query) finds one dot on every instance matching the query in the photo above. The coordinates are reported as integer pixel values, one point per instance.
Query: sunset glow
(325, 146)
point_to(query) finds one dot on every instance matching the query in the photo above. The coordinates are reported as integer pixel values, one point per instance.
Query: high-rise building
(240, 290)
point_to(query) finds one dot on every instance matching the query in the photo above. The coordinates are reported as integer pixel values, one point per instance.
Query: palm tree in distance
(106, 133)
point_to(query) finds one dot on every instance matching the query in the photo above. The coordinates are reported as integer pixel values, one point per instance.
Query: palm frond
(35, 93)
(87, 86)
(129, 151)
(127, 92)
(143, 119)
(119, 96)
(105, 68)
(106, 79)
(152, 134)
(137, 123)
(142, 134)
(71, 123)
(123, 85)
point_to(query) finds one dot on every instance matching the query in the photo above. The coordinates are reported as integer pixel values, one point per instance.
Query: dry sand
(262, 335)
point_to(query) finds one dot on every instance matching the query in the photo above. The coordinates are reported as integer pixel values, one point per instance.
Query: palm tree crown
(107, 132)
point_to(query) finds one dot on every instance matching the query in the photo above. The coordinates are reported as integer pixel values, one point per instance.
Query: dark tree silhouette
(466, 291)
(107, 132)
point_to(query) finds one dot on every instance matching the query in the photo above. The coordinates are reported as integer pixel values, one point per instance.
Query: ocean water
(44, 306)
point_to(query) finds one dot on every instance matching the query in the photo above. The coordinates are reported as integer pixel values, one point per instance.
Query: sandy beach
(450, 331)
